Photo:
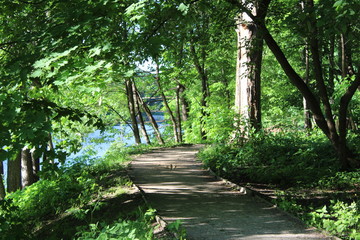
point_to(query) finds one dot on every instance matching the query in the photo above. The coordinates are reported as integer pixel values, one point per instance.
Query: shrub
(121, 229)
(284, 158)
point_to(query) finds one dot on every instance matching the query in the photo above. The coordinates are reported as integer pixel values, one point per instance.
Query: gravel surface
(177, 186)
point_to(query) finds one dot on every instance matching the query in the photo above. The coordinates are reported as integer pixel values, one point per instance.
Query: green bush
(283, 158)
(71, 185)
(139, 229)
(339, 218)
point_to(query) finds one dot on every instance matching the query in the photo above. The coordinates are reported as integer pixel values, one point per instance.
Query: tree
(248, 68)
(2, 185)
(324, 120)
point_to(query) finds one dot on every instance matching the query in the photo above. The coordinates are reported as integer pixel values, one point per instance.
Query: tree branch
(296, 80)
(344, 103)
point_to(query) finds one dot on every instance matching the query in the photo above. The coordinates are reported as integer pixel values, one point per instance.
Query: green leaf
(338, 4)
(129, 73)
(183, 8)
(36, 73)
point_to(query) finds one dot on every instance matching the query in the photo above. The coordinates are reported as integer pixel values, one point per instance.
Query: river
(99, 142)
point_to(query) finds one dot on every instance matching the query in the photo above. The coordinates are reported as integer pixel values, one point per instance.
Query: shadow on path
(178, 187)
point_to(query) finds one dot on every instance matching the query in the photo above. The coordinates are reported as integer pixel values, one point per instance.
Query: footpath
(179, 188)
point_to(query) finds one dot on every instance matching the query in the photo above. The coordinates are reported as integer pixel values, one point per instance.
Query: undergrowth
(75, 188)
(297, 164)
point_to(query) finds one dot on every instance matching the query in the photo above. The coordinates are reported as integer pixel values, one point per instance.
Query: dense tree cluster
(67, 66)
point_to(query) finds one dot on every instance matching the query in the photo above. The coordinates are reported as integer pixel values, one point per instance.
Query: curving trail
(177, 186)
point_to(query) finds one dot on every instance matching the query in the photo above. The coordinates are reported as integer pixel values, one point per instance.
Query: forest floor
(177, 185)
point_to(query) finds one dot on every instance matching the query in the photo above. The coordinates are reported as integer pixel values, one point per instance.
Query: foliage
(122, 229)
(285, 158)
(67, 187)
(177, 229)
(296, 162)
(337, 217)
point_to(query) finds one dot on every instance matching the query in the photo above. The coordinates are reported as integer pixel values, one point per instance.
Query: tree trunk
(14, 174)
(178, 112)
(200, 68)
(332, 67)
(346, 57)
(35, 164)
(151, 118)
(132, 110)
(248, 69)
(338, 141)
(307, 112)
(2, 186)
(184, 104)
(139, 114)
(166, 104)
(27, 174)
(50, 147)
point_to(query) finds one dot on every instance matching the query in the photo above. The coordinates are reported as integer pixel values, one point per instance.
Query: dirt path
(178, 187)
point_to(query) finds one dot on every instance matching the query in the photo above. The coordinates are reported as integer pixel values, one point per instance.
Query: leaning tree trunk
(139, 114)
(151, 118)
(14, 174)
(132, 110)
(248, 69)
(200, 68)
(2, 186)
(178, 112)
(166, 104)
(27, 172)
(324, 122)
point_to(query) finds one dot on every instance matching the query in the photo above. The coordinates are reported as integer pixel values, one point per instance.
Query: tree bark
(346, 57)
(166, 104)
(307, 112)
(139, 114)
(2, 185)
(200, 68)
(27, 174)
(132, 110)
(178, 112)
(151, 118)
(14, 174)
(35, 164)
(184, 104)
(248, 68)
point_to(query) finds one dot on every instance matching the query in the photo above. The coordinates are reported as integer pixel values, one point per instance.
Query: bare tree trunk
(139, 114)
(27, 174)
(151, 118)
(200, 68)
(35, 164)
(2, 186)
(178, 112)
(51, 149)
(248, 68)
(307, 112)
(166, 104)
(14, 174)
(332, 67)
(132, 110)
(184, 104)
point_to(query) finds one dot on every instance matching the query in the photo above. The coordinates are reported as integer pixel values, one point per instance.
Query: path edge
(263, 198)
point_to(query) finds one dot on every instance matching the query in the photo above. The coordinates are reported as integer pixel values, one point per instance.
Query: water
(99, 142)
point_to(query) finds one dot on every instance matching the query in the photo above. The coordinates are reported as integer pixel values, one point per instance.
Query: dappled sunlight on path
(177, 186)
